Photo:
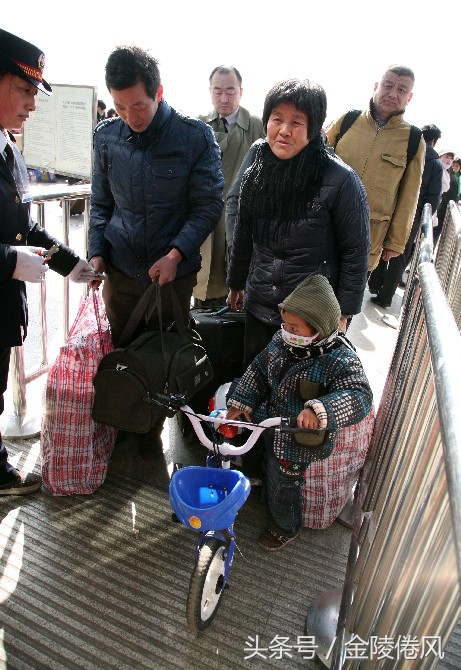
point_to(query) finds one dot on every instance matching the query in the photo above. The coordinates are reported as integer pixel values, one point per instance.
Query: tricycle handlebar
(178, 402)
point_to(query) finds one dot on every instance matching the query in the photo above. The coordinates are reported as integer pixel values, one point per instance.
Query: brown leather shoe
(23, 484)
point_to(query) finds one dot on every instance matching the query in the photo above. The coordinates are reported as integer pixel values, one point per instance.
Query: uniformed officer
(23, 244)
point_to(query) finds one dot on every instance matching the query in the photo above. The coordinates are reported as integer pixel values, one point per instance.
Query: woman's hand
(343, 324)
(235, 300)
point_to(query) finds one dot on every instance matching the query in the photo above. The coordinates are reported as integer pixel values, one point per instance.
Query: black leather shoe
(24, 484)
(376, 299)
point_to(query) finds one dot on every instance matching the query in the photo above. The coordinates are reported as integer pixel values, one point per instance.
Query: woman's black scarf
(282, 190)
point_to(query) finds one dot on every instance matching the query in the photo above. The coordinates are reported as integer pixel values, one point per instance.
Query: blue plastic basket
(208, 498)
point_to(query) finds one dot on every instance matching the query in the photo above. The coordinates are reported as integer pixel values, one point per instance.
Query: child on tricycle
(311, 371)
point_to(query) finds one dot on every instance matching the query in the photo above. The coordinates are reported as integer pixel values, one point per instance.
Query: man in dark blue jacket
(156, 192)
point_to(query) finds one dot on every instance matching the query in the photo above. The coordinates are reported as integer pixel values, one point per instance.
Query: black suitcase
(222, 332)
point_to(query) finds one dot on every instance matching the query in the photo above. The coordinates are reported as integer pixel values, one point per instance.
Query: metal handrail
(61, 192)
(444, 346)
(407, 521)
(20, 423)
(387, 533)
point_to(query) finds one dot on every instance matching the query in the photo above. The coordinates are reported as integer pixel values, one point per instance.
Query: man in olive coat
(235, 130)
(376, 147)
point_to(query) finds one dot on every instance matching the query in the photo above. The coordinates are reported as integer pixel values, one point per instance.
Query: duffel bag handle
(145, 308)
(177, 312)
(137, 316)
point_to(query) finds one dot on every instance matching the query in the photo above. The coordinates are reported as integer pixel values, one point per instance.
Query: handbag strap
(84, 312)
(96, 304)
(97, 315)
(144, 309)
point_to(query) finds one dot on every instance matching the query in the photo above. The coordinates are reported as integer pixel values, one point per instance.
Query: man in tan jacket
(235, 130)
(376, 147)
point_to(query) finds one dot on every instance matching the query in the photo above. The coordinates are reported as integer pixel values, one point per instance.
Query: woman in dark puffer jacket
(302, 212)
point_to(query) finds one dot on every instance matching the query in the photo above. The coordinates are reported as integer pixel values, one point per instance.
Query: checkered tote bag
(328, 483)
(75, 451)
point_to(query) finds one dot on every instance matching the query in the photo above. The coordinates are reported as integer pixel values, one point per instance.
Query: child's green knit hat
(315, 302)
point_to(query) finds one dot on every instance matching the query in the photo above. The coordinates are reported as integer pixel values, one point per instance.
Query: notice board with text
(58, 136)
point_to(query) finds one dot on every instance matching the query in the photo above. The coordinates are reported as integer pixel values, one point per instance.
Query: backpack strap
(349, 118)
(413, 143)
(352, 115)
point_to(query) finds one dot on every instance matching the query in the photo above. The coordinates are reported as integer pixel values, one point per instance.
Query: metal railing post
(403, 576)
(42, 305)
(65, 239)
(19, 423)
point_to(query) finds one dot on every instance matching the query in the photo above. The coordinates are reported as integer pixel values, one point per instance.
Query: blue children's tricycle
(207, 500)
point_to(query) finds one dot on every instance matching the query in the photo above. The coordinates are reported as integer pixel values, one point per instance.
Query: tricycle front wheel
(206, 585)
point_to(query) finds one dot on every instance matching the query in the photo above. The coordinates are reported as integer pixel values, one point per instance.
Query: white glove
(30, 265)
(82, 273)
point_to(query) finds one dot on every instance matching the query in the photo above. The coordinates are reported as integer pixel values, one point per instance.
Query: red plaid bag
(328, 483)
(75, 451)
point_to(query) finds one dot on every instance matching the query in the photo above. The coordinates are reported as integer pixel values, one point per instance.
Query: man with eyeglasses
(235, 130)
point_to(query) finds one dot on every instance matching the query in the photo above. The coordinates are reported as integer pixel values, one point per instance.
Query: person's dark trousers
(7, 472)
(389, 279)
(386, 277)
(284, 492)
(376, 278)
(257, 336)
